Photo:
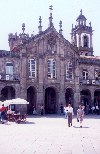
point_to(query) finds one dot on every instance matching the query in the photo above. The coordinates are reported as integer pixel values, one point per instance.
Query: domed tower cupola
(81, 36)
(81, 20)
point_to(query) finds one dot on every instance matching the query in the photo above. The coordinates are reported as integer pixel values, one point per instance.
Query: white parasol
(7, 102)
(19, 101)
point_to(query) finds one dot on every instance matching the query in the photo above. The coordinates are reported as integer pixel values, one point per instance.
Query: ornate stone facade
(47, 69)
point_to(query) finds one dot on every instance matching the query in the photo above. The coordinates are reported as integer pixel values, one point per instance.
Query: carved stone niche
(51, 42)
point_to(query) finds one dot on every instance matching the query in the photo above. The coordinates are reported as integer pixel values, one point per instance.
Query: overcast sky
(15, 12)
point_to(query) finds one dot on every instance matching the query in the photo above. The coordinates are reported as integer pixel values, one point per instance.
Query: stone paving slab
(51, 135)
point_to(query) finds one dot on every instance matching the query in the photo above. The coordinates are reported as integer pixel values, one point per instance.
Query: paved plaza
(50, 134)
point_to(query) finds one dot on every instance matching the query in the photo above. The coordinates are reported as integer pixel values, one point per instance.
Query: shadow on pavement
(79, 127)
(27, 122)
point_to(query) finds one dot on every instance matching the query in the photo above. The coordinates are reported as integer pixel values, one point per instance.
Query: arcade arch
(50, 100)
(31, 98)
(85, 97)
(8, 92)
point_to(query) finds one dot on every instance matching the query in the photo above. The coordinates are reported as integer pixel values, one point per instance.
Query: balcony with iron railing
(9, 77)
(89, 82)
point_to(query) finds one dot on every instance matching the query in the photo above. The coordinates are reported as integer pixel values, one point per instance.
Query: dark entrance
(31, 98)
(69, 96)
(7, 93)
(85, 97)
(97, 97)
(50, 100)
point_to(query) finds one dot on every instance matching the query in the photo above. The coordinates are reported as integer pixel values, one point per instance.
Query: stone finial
(40, 20)
(72, 26)
(90, 24)
(60, 25)
(81, 11)
(50, 18)
(23, 27)
(40, 27)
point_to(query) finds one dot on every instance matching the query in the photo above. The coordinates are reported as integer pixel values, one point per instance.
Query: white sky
(15, 12)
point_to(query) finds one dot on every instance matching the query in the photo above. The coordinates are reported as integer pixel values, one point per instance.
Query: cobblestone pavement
(51, 135)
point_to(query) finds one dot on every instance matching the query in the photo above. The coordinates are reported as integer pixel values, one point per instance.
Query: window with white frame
(51, 68)
(85, 75)
(97, 74)
(32, 68)
(69, 71)
(9, 68)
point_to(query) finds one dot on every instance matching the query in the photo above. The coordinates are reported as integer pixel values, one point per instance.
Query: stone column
(76, 100)
(91, 46)
(92, 97)
(80, 40)
(77, 87)
(40, 92)
(23, 74)
(17, 91)
(62, 83)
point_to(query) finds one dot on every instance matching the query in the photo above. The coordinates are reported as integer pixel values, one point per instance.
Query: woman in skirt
(80, 114)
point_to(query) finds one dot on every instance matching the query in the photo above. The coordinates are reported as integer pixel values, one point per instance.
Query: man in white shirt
(69, 115)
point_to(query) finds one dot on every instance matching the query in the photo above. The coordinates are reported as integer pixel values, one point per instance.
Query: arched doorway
(85, 97)
(50, 100)
(97, 97)
(69, 96)
(7, 92)
(31, 98)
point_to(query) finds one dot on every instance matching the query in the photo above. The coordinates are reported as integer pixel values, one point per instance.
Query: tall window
(32, 68)
(51, 68)
(9, 68)
(85, 40)
(97, 74)
(69, 71)
(85, 75)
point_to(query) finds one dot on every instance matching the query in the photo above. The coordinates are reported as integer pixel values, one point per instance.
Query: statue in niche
(51, 43)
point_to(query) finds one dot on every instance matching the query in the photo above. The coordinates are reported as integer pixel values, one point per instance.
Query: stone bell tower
(81, 36)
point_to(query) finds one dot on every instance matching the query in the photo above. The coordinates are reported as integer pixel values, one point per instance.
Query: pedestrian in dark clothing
(69, 115)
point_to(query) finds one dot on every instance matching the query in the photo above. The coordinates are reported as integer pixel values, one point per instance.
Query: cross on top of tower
(51, 7)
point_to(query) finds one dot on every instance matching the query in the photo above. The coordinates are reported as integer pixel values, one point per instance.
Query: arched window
(69, 70)
(32, 68)
(85, 41)
(51, 68)
(9, 68)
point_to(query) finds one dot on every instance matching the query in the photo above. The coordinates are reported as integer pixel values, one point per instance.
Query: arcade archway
(85, 97)
(7, 92)
(31, 98)
(97, 97)
(50, 100)
(69, 96)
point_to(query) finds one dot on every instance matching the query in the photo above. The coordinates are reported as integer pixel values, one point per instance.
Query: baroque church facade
(48, 69)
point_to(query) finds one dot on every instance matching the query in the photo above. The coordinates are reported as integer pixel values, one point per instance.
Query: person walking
(69, 115)
(80, 114)
(3, 114)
